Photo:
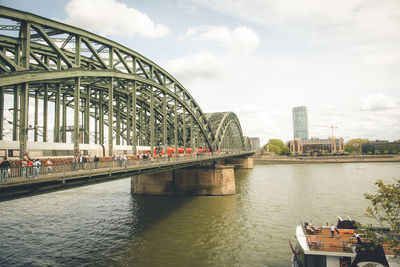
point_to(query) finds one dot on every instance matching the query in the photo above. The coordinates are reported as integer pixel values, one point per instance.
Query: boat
(317, 246)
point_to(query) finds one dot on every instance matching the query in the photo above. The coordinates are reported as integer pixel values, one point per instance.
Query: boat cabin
(317, 245)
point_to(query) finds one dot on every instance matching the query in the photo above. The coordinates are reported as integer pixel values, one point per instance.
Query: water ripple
(103, 224)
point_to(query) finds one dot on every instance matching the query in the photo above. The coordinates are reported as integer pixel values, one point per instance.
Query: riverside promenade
(262, 159)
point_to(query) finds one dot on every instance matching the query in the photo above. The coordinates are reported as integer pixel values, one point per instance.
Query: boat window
(345, 261)
(315, 260)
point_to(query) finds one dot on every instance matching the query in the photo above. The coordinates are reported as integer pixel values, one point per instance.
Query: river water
(103, 224)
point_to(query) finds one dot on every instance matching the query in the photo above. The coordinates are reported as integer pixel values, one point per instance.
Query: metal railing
(23, 174)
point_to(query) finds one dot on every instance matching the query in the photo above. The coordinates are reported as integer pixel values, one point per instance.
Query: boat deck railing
(319, 239)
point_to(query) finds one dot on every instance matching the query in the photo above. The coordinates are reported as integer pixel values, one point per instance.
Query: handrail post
(64, 173)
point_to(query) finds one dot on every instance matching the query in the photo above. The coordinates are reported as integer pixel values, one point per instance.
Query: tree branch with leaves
(385, 209)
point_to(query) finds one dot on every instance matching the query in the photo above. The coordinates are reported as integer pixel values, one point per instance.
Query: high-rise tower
(300, 123)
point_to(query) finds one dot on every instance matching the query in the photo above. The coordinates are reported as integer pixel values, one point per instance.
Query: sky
(261, 58)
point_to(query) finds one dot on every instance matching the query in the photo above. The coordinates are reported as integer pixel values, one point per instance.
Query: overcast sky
(261, 58)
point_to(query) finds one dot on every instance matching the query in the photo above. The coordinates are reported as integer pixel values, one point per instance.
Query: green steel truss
(137, 100)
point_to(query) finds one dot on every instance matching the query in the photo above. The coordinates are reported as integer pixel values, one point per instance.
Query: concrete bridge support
(200, 181)
(241, 163)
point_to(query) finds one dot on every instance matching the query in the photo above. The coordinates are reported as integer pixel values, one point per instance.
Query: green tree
(354, 146)
(385, 209)
(277, 146)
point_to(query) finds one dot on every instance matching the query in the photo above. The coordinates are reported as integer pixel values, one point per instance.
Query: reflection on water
(105, 225)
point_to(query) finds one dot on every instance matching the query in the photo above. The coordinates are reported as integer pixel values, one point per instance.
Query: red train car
(181, 150)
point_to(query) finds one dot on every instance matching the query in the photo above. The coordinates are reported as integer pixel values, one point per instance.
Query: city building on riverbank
(255, 144)
(300, 123)
(381, 147)
(315, 145)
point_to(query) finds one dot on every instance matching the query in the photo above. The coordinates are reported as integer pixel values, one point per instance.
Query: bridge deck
(24, 181)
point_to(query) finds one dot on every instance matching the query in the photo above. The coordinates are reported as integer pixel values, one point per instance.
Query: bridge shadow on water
(147, 212)
(151, 210)
(188, 228)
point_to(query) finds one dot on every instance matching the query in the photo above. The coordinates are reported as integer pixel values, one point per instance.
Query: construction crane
(332, 127)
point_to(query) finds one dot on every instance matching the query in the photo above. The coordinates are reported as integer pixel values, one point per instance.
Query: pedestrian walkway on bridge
(70, 169)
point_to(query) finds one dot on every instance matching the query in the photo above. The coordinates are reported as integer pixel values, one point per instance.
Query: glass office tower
(300, 123)
(255, 144)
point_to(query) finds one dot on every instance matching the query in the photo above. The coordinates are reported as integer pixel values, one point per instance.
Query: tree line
(353, 146)
(277, 146)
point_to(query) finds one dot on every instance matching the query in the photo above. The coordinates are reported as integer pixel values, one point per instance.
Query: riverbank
(261, 159)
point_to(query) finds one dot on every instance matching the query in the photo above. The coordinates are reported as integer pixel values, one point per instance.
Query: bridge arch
(107, 85)
(227, 131)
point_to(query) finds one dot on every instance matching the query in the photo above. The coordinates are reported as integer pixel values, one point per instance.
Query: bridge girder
(227, 131)
(143, 103)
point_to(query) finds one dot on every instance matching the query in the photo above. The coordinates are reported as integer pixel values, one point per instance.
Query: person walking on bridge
(48, 163)
(24, 166)
(36, 168)
(30, 170)
(4, 167)
(90, 160)
(81, 162)
(114, 158)
(74, 162)
(96, 161)
(121, 160)
(85, 160)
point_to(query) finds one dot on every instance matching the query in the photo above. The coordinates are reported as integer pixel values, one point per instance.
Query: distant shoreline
(260, 160)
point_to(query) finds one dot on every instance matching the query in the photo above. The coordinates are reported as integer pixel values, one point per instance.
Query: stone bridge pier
(240, 163)
(217, 180)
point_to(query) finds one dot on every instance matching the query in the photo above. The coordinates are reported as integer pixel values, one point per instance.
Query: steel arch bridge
(124, 96)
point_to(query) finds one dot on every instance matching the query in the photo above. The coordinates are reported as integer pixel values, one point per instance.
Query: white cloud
(370, 27)
(376, 102)
(375, 117)
(112, 17)
(264, 122)
(201, 66)
(205, 65)
(240, 40)
(378, 59)
(364, 18)
(381, 125)
(249, 109)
